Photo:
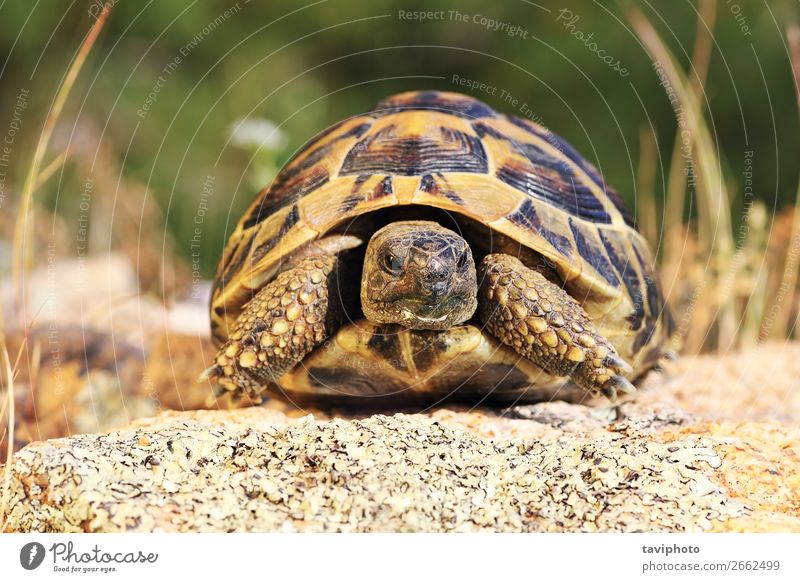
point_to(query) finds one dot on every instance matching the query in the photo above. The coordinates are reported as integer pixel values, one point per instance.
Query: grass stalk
(781, 326)
(9, 385)
(716, 303)
(645, 184)
(676, 179)
(23, 231)
(753, 289)
(50, 169)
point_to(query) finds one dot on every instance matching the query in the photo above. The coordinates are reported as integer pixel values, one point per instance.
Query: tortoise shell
(453, 153)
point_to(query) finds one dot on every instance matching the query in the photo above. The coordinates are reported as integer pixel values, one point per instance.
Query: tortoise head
(420, 275)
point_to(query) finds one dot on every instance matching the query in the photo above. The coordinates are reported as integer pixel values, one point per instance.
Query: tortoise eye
(392, 264)
(462, 261)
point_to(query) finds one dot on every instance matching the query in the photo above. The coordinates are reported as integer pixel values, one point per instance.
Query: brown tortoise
(564, 300)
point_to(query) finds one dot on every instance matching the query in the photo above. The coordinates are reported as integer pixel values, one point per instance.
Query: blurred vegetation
(304, 67)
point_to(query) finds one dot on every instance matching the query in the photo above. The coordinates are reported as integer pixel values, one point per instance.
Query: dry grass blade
(753, 285)
(645, 184)
(704, 42)
(676, 179)
(9, 385)
(781, 326)
(50, 169)
(23, 233)
(715, 304)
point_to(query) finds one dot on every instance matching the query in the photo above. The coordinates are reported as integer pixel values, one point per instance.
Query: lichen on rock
(561, 468)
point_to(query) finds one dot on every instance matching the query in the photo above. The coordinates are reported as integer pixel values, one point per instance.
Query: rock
(552, 467)
(73, 380)
(732, 386)
(98, 356)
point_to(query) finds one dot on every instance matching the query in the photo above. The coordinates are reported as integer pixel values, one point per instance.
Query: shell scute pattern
(459, 105)
(590, 248)
(305, 173)
(615, 247)
(563, 146)
(536, 172)
(527, 217)
(400, 150)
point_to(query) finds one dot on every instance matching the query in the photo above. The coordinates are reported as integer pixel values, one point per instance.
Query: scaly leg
(286, 319)
(543, 323)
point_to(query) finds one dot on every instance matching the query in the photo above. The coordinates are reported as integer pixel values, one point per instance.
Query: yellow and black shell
(451, 152)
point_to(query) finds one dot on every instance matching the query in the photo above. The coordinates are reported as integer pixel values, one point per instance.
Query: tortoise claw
(617, 384)
(209, 373)
(614, 361)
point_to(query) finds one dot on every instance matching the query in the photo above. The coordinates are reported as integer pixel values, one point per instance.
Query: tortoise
(433, 248)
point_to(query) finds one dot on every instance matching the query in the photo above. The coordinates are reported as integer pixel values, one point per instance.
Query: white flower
(257, 132)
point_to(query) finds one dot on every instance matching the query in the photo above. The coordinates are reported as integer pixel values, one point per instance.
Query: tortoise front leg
(543, 323)
(286, 319)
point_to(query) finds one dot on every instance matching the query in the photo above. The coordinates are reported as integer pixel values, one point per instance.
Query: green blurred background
(305, 66)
